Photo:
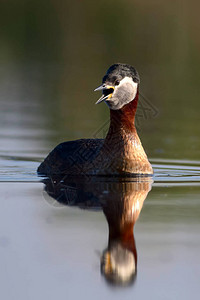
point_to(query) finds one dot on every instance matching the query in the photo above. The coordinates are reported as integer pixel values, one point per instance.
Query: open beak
(107, 92)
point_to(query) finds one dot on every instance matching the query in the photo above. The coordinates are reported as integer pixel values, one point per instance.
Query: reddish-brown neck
(124, 117)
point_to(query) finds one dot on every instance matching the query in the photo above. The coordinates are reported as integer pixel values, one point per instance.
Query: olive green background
(56, 52)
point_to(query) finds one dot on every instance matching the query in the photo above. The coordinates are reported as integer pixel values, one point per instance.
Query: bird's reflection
(121, 201)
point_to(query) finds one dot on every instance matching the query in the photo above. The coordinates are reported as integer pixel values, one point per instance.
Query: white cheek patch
(124, 93)
(129, 80)
(129, 85)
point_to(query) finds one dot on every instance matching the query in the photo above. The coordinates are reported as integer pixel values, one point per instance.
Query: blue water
(52, 250)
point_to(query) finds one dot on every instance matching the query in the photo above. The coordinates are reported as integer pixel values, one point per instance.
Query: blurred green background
(54, 53)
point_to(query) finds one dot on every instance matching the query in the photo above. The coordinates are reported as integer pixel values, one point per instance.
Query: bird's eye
(116, 82)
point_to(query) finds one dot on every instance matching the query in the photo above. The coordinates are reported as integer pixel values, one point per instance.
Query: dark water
(59, 238)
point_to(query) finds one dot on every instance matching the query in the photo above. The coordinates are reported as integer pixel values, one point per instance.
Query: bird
(120, 153)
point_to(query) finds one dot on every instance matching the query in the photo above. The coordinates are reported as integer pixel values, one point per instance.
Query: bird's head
(119, 86)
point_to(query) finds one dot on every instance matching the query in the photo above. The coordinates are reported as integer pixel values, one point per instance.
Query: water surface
(53, 247)
(55, 240)
(58, 239)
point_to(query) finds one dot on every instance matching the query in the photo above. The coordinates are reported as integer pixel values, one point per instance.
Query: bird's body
(121, 152)
(71, 157)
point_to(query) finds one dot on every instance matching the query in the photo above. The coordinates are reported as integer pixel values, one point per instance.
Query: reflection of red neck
(124, 117)
(125, 236)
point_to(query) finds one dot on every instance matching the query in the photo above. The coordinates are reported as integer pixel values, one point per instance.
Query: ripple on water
(18, 169)
(166, 172)
(176, 172)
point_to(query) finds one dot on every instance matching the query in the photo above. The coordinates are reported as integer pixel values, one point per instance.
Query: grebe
(121, 152)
